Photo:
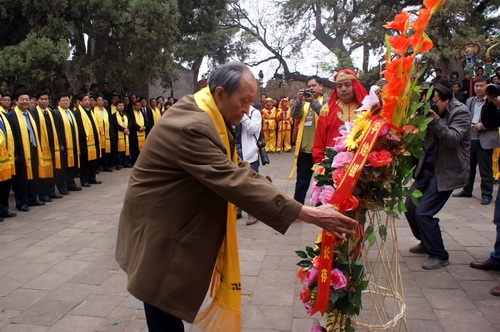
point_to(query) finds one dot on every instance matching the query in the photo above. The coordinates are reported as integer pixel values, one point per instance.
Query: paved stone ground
(58, 273)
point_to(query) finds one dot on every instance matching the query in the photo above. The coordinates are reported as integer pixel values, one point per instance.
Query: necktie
(30, 129)
(70, 118)
(145, 114)
(2, 126)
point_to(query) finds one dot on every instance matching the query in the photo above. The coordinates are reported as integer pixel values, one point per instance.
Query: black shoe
(9, 214)
(64, 192)
(418, 249)
(127, 166)
(86, 184)
(45, 198)
(1, 219)
(23, 208)
(486, 201)
(107, 169)
(74, 188)
(55, 195)
(462, 194)
(36, 203)
(95, 182)
(118, 167)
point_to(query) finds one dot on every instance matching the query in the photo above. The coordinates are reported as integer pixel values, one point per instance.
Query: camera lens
(493, 90)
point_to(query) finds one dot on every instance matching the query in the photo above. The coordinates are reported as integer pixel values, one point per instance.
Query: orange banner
(340, 199)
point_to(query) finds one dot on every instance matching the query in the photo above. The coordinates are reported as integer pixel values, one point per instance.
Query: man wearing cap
(346, 98)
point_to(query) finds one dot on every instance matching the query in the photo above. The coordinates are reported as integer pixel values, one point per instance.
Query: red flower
(379, 158)
(422, 20)
(399, 44)
(410, 129)
(352, 203)
(305, 294)
(399, 23)
(433, 5)
(337, 175)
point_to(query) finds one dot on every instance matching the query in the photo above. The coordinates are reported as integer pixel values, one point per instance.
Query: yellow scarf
(44, 140)
(25, 138)
(113, 109)
(7, 166)
(301, 133)
(224, 312)
(123, 145)
(102, 123)
(156, 114)
(141, 135)
(70, 145)
(89, 133)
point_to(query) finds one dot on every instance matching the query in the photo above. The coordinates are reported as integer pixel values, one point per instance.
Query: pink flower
(379, 158)
(309, 307)
(316, 262)
(337, 279)
(317, 328)
(352, 203)
(305, 295)
(337, 176)
(311, 276)
(316, 191)
(342, 158)
(326, 194)
(384, 129)
(339, 145)
(392, 137)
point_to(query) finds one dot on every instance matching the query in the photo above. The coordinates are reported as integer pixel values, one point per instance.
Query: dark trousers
(423, 224)
(4, 197)
(84, 169)
(45, 187)
(495, 255)
(24, 189)
(160, 321)
(304, 174)
(483, 157)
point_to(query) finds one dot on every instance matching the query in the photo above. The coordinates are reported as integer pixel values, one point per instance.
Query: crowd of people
(46, 143)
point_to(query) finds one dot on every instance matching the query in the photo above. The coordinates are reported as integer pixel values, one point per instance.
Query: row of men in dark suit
(42, 149)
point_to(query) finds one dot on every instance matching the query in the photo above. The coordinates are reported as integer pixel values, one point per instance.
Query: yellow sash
(25, 138)
(113, 109)
(123, 144)
(156, 114)
(224, 312)
(7, 166)
(102, 123)
(44, 140)
(89, 133)
(141, 135)
(301, 133)
(70, 145)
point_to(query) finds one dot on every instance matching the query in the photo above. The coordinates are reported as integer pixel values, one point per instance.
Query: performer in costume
(347, 96)
(284, 117)
(269, 125)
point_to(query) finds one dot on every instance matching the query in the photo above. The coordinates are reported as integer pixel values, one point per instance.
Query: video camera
(493, 90)
(308, 93)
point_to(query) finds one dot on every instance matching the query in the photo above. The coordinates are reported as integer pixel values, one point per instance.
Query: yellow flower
(356, 135)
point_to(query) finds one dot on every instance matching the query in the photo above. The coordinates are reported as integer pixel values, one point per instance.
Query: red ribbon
(340, 199)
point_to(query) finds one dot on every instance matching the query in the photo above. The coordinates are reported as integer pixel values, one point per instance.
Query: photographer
(306, 108)
(491, 118)
(443, 167)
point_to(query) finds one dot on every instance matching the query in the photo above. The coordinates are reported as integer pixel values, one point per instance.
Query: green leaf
(416, 193)
(371, 239)
(305, 263)
(382, 230)
(301, 254)
(310, 252)
(334, 296)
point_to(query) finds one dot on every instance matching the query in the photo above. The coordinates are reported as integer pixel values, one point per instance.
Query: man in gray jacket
(443, 167)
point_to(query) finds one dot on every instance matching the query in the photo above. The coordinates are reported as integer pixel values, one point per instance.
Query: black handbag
(264, 159)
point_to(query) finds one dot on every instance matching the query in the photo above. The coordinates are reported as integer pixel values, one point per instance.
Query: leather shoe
(36, 203)
(55, 195)
(418, 249)
(1, 219)
(486, 201)
(23, 208)
(9, 214)
(107, 169)
(251, 221)
(64, 192)
(434, 263)
(484, 266)
(462, 194)
(118, 167)
(86, 184)
(96, 182)
(495, 290)
(74, 188)
(45, 198)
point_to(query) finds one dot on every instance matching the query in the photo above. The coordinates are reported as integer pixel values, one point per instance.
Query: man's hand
(300, 96)
(328, 218)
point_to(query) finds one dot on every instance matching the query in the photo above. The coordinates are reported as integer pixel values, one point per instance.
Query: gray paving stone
(97, 305)
(46, 313)
(77, 323)
(22, 299)
(47, 281)
(459, 320)
(448, 299)
(24, 328)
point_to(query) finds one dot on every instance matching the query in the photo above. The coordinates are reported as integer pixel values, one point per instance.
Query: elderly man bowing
(177, 229)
